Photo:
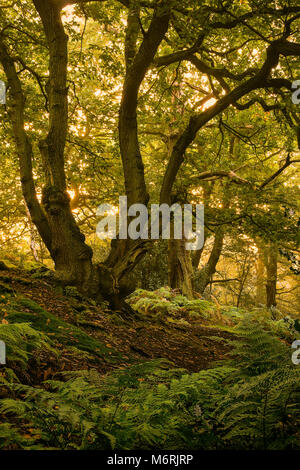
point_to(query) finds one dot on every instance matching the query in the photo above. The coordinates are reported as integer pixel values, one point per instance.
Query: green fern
(250, 402)
(21, 340)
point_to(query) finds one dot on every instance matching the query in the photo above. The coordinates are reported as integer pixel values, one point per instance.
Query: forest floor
(81, 376)
(92, 336)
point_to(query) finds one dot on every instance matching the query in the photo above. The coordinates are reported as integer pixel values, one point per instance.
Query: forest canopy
(188, 102)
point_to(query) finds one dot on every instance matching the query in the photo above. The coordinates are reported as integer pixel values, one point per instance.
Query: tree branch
(196, 122)
(287, 163)
(23, 145)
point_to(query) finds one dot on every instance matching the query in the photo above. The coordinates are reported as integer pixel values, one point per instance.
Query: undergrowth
(170, 306)
(21, 310)
(250, 401)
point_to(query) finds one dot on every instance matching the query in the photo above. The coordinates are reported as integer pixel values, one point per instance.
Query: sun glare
(69, 11)
(209, 104)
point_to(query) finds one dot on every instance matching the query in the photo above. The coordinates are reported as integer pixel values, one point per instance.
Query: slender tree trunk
(260, 278)
(271, 268)
(33, 235)
(208, 270)
(243, 278)
(205, 274)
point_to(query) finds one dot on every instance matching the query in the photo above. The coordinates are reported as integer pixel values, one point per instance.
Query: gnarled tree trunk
(125, 254)
(53, 216)
(180, 269)
(72, 257)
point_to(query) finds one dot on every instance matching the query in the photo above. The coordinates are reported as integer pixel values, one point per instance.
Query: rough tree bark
(72, 257)
(180, 269)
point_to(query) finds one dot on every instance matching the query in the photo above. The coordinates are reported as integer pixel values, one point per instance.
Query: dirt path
(191, 347)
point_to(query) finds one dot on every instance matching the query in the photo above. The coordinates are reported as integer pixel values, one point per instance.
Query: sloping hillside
(111, 339)
(174, 374)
